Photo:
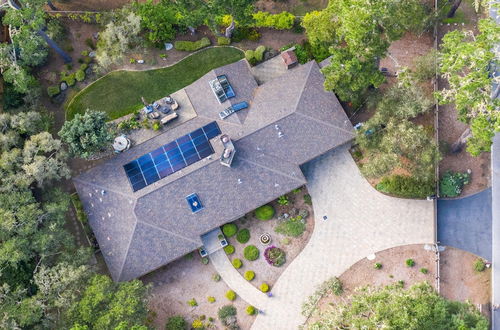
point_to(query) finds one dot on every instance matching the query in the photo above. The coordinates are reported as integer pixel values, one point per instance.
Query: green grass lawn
(119, 92)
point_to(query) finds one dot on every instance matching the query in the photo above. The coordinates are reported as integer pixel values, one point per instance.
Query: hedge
(53, 90)
(249, 275)
(237, 263)
(406, 186)
(243, 236)
(265, 212)
(80, 75)
(281, 21)
(223, 41)
(229, 229)
(251, 253)
(191, 46)
(259, 53)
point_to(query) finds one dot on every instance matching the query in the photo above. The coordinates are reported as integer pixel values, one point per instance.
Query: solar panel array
(171, 157)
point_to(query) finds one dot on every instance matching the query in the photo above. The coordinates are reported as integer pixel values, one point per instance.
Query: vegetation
(122, 90)
(275, 256)
(216, 277)
(191, 46)
(251, 253)
(86, 134)
(230, 229)
(223, 41)
(158, 20)
(249, 275)
(410, 262)
(465, 61)
(243, 236)
(424, 270)
(292, 226)
(192, 302)
(418, 307)
(479, 265)
(451, 184)
(264, 287)
(231, 295)
(211, 299)
(283, 200)
(330, 286)
(227, 315)
(281, 21)
(251, 310)
(237, 263)
(53, 90)
(377, 265)
(176, 322)
(406, 186)
(229, 249)
(264, 212)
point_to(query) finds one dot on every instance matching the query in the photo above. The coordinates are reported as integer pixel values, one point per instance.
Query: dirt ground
(184, 279)
(263, 271)
(393, 270)
(450, 128)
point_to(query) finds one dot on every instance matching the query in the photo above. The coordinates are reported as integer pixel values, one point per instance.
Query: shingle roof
(141, 231)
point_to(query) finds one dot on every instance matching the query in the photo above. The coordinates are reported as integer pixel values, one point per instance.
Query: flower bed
(275, 256)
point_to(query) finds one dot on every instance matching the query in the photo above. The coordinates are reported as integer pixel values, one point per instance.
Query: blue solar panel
(171, 157)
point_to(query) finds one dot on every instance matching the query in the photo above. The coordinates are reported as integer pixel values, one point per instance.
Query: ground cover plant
(122, 90)
(451, 184)
(229, 229)
(251, 253)
(292, 226)
(275, 256)
(243, 236)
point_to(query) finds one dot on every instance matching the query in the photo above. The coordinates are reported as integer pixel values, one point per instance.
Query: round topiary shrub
(265, 212)
(231, 295)
(250, 310)
(237, 263)
(251, 253)
(249, 275)
(211, 299)
(229, 229)
(264, 287)
(243, 236)
(229, 249)
(176, 323)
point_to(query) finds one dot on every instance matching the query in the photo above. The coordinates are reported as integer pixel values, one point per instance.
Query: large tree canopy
(393, 307)
(466, 61)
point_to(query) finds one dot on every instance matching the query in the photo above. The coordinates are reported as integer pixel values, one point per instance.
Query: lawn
(119, 92)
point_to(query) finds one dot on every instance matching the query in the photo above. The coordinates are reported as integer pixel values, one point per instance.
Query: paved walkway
(360, 222)
(465, 223)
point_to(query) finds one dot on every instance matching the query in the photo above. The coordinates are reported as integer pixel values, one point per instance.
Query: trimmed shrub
(249, 275)
(265, 212)
(250, 57)
(211, 299)
(197, 324)
(410, 262)
(80, 75)
(192, 302)
(251, 310)
(216, 277)
(293, 226)
(84, 66)
(191, 46)
(226, 311)
(229, 229)
(231, 295)
(452, 183)
(70, 79)
(229, 249)
(176, 322)
(479, 265)
(275, 256)
(406, 186)
(424, 270)
(264, 287)
(53, 90)
(204, 260)
(281, 21)
(243, 236)
(259, 53)
(251, 253)
(223, 41)
(237, 263)
(378, 265)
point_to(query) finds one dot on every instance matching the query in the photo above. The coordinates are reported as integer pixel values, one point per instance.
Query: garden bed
(264, 272)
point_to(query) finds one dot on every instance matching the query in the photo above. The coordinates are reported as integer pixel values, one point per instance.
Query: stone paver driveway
(360, 221)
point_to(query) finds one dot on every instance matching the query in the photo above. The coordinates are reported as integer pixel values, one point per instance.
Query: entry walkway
(360, 221)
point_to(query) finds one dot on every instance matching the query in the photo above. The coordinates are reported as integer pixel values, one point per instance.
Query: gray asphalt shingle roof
(141, 231)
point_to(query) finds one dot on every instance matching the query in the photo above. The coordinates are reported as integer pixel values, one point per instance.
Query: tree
(86, 134)
(239, 10)
(465, 61)
(158, 20)
(108, 305)
(192, 13)
(393, 307)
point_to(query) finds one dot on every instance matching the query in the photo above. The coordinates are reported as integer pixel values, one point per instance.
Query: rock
(64, 86)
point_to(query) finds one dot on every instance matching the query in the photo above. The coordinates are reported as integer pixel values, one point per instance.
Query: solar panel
(171, 157)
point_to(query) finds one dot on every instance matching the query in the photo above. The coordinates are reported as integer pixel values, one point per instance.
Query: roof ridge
(167, 231)
(129, 242)
(303, 86)
(273, 169)
(323, 123)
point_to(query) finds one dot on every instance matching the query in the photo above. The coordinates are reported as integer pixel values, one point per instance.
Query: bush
(479, 265)
(424, 270)
(211, 299)
(229, 229)
(53, 90)
(156, 125)
(452, 183)
(410, 262)
(251, 310)
(275, 256)
(243, 236)
(251, 253)
(378, 265)
(265, 212)
(80, 75)
(223, 41)
(192, 302)
(90, 43)
(84, 66)
(241, 33)
(176, 322)
(204, 260)
(216, 277)
(406, 186)
(425, 67)
(197, 324)
(70, 79)
(281, 21)
(249, 275)
(283, 200)
(231, 295)
(259, 53)
(237, 263)
(293, 226)
(226, 311)
(264, 287)
(229, 249)
(335, 285)
(307, 199)
(191, 46)
(250, 57)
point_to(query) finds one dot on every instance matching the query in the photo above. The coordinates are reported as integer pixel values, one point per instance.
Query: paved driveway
(465, 223)
(360, 221)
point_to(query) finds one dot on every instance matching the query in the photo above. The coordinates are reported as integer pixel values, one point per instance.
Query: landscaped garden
(122, 90)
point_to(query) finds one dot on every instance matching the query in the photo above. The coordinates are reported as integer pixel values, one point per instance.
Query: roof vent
(239, 181)
(103, 192)
(280, 134)
(276, 185)
(276, 127)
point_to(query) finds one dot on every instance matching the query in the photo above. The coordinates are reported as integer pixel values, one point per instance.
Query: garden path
(360, 221)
